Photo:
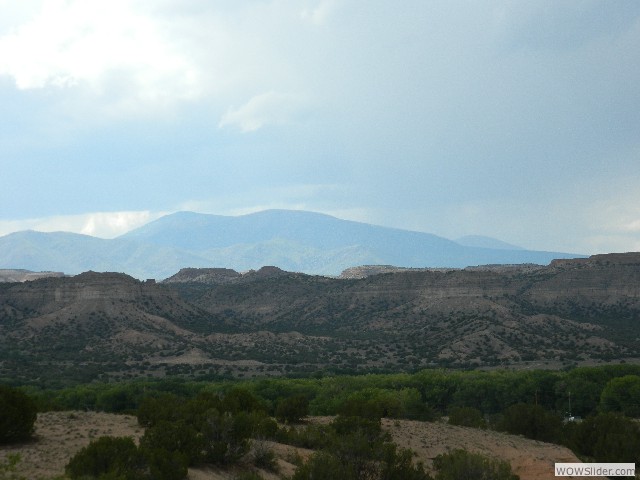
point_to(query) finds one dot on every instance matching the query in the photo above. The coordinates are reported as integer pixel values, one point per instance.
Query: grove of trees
(196, 423)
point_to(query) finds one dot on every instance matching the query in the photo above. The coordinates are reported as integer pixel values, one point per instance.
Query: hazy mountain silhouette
(293, 240)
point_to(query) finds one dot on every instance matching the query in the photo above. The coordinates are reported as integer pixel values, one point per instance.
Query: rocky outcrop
(208, 276)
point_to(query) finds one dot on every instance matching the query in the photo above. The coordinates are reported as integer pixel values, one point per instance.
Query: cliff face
(601, 279)
(93, 322)
(217, 320)
(94, 289)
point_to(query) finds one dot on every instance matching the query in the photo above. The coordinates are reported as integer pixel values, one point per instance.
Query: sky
(515, 120)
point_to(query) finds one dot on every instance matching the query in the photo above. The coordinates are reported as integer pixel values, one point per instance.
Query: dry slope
(59, 435)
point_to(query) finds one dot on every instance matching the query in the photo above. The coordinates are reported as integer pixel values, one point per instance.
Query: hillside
(88, 324)
(269, 322)
(60, 435)
(298, 241)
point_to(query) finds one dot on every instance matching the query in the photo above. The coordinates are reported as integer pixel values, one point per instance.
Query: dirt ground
(59, 435)
(530, 459)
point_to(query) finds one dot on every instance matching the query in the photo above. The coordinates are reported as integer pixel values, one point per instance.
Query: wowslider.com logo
(595, 469)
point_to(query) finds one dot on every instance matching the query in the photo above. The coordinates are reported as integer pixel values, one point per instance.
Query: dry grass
(530, 459)
(59, 435)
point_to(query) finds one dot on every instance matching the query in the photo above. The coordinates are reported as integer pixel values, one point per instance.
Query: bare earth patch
(530, 459)
(59, 435)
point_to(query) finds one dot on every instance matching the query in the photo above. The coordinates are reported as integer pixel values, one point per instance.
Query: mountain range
(299, 241)
(220, 322)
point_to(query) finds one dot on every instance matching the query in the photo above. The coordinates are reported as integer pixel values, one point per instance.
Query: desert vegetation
(189, 424)
(111, 327)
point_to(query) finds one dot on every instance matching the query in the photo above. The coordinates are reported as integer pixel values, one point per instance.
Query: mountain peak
(293, 240)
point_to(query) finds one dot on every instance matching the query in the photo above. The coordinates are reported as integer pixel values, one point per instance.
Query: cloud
(419, 109)
(76, 43)
(320, 13)
(154, 51)
(99, 224)
(271, 108)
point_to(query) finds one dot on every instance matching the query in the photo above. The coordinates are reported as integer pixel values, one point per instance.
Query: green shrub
(164, 465)
(118, 458)
(467, 417)
(463, 465)
(398, 465)
(174, 437)
(8, 467)
(263, 456)
(324, 466)
(353, 457)
(108, 458)
(225, 439)
(248, 476)
(17, 415)
(311, 436)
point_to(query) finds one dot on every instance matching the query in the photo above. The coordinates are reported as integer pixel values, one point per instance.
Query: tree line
(196, 423)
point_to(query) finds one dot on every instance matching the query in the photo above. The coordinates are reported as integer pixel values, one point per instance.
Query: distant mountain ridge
(486, 242)
(299, 241)
(272, 322)
(21, 275)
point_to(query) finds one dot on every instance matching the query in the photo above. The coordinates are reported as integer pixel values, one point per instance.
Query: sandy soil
(59, 435)
(530, 459)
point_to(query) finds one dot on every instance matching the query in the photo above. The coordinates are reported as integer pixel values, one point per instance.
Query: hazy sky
(517, 120)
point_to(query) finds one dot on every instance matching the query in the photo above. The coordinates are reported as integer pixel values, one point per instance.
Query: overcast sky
(516, 120)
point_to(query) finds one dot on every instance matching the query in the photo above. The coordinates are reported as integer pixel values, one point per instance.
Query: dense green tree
(606, 437)
(17, 415)
(240, 399)
(254, 424)
(622, 394)
(122, 398)
(532, 421)
(166, 407)
(379, 403)
(292, 409)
